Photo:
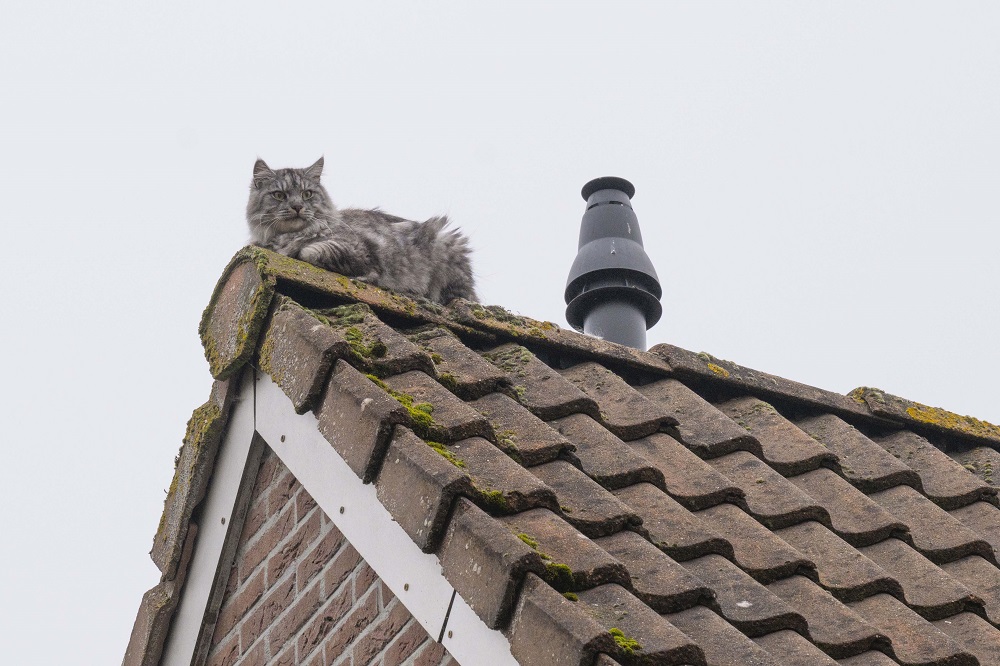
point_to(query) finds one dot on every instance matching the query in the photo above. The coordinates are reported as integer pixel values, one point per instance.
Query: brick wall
(300, 594)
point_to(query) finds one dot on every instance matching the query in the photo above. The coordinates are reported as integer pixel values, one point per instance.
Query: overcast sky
(817, 185)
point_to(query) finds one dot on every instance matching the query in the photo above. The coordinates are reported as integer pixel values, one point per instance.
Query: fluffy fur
(290, 212)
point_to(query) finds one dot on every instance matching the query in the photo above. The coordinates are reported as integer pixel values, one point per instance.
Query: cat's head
(286, 200)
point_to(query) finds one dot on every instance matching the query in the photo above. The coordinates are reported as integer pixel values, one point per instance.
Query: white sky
(817, 185)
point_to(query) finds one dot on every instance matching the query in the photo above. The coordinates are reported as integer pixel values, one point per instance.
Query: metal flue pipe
(612, 292)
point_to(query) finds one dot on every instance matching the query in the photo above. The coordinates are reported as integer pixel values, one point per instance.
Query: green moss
(571, 596)
(446, 453)
(494, 499)
(448, 380)
(420, 412)
(346, 315)
(436, 358)
(628, 645)
(361, 347)
(512, 360)
(559, 576)
(528, 540)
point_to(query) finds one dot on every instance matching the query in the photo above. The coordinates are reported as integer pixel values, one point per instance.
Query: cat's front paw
(311, 254)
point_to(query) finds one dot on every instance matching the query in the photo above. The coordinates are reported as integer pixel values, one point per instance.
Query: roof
(600, 504)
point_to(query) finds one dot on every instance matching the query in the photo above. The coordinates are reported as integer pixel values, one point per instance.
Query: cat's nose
(297, 207)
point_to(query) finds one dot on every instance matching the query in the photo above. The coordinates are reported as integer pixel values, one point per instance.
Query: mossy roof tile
(775, 482)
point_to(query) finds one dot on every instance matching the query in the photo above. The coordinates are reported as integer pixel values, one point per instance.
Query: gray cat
(291, 213)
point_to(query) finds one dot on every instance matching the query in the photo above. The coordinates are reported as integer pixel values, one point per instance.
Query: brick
(363, 614)
(304, 503)
(385, 628)
(365, 578)
(318, 557)
(323, 622)
(431, 655)
(302, 609)
(256, 655)
(283, 487)
(226, 653)
(236, 606)
(271, 607)
(269, 538)
(291, 550)
(340, 569)
(407, 642)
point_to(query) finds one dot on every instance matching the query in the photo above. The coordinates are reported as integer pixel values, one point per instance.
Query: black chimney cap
(608, 183)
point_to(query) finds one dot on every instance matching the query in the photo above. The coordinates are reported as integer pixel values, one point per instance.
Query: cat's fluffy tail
(450, 253)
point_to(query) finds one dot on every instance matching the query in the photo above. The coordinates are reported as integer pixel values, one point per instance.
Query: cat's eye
(279, 195)
(307, 194)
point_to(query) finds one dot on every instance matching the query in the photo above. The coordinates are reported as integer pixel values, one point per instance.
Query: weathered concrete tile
(436, 413)
(672, 528)
(538, 387)
(519, 432)
(935, 533)
(915, 641)
(357, 418)
(926, 588)
(792, 649)
(744, 602)
(841, 569)
(461, 370)
(945, 481)
(502, 486)
(485, 562)
(375, 347)
(417, 484)
(689, 479)
(643, 636)
(700, 425)
(854, 516)
(982, 578)
(865, 464)
(605, 458)
(722, 643)
(755, 548)
(785, 448)
(662, 584)
(870, 658)
(589, 507)
(974, 634)
(982, 518)
(550, 630)
(571, 561)
(769, 497)
(833, 627)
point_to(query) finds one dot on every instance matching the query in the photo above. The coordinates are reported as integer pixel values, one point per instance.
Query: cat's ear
(316, 170)
(261, 172)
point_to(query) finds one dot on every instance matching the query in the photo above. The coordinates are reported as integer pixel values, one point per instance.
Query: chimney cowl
(612, 291)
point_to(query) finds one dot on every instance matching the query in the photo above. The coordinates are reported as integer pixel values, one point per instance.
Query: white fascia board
(413, 576)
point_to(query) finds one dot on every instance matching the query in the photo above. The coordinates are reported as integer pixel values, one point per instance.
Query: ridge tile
(657, 580)
(915, 641)
(700, 425)
(687, 478)
(546, 393)
(623, 410)
(745, 603)
(854, 516)
(757, 550)
(785, 448)
(769, 497)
